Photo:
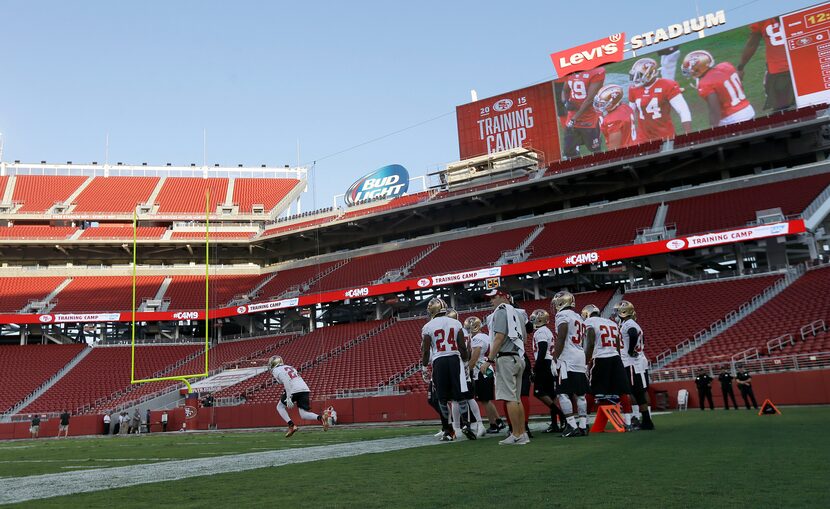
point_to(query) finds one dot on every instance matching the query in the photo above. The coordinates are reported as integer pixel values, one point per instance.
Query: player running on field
(296, 392)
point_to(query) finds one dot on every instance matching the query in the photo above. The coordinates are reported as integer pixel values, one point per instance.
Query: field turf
(694, 459)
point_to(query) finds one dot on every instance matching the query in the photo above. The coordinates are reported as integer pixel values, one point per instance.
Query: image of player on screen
(652, 99)
(778, 84)
(616, 119)
(582, 122)
(719, 86)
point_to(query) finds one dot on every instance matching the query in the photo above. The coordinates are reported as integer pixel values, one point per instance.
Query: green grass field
(695, 459)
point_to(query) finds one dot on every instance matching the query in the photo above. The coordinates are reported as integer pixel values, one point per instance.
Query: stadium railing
(761, 365)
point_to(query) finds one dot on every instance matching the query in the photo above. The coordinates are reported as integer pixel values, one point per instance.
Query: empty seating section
(36, 232)
(25, 368)
(16, 292)
(363, 270)
(592, 232)
(115, 194)
(103, 372)
(709, 212)
(290, 278)
(370, 363)
(188, 292)
(805, 300)
(673, 314)
(213, 235)
(470, 253)
(123, 232)
(391, 204)
(609, 156)
(261, 191)
(105, 293)
(186, 195)
(39, 193)
(291, 226)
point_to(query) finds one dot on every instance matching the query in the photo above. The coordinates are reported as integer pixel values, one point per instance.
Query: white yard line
(36, 487)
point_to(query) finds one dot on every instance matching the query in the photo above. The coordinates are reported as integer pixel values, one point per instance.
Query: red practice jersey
(620, 120)
(723, 80)
(578, 83)
(773, 34)
(653, 109)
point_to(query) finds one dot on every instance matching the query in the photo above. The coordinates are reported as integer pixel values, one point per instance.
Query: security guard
(745, 386)
(704, 389)
(725, 379)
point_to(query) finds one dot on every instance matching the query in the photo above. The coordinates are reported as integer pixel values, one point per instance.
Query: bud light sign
(387, 182)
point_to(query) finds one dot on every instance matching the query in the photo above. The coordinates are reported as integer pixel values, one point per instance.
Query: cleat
(635, 422)
(500, 424)
(291, 430)
(647, 426)
(470, 434)
(447, 437)
(583, 432)
(570, 431)
(439, 434)
(553, 428)
(492, 430)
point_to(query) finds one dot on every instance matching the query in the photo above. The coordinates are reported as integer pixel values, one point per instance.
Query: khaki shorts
(509, 369)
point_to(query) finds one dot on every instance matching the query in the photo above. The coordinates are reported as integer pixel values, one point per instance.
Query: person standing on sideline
(164, 421)
(704, 389)
(64, 425)
(507, 332)
(35, 426)
(725, 379)
(106, 424)
(148, 420)
(745, 386)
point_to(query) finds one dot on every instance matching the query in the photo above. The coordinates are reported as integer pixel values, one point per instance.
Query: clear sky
(258, 76)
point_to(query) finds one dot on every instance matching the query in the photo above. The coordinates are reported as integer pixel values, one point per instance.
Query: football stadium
(617, 294)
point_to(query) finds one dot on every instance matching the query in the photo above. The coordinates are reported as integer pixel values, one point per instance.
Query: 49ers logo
(579, 259)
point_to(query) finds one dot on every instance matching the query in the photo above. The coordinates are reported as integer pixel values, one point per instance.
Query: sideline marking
(36, 487)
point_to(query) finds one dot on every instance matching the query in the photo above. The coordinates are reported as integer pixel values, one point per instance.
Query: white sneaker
(439, 434)
(480, 431)
(523, 439)
(510, 440)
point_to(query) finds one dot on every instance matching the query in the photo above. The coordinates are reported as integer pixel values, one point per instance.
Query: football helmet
(625, 310)
(562, 300)
(644, 72)
(472, 325)
(608, 98)
(436, 306)
(275, 361)
(589, 310)
(451, 313)
(696, 63)
(539, 318)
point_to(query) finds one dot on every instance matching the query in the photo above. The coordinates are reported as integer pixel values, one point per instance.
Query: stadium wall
(789, 388)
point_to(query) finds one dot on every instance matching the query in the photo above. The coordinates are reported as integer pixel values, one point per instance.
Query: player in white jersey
(635, 361)
(602, 343)
(444, 346)
(570, 363)
(473, 411)
(296, 392)
(544, 384)
(484, 381)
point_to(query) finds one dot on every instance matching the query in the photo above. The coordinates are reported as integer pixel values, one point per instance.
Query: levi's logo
(589, 56)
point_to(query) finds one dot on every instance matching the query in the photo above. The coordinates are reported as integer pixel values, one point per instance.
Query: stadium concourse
(713, 237)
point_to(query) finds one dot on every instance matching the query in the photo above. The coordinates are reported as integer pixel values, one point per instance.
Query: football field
(694, 459)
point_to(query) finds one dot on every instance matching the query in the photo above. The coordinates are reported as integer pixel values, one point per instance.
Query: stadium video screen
(697, 85)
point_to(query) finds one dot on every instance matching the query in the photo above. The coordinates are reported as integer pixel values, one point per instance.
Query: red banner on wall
(522, 118)
(588, 56)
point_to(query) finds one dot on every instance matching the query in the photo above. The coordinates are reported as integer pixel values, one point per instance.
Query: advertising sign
(387, 182)
(588, 56)
(522, 118)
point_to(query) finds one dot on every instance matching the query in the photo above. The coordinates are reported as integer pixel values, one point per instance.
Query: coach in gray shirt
(507, 344)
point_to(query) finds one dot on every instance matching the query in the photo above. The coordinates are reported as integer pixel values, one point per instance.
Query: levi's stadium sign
(387, 182)
(589, 56)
